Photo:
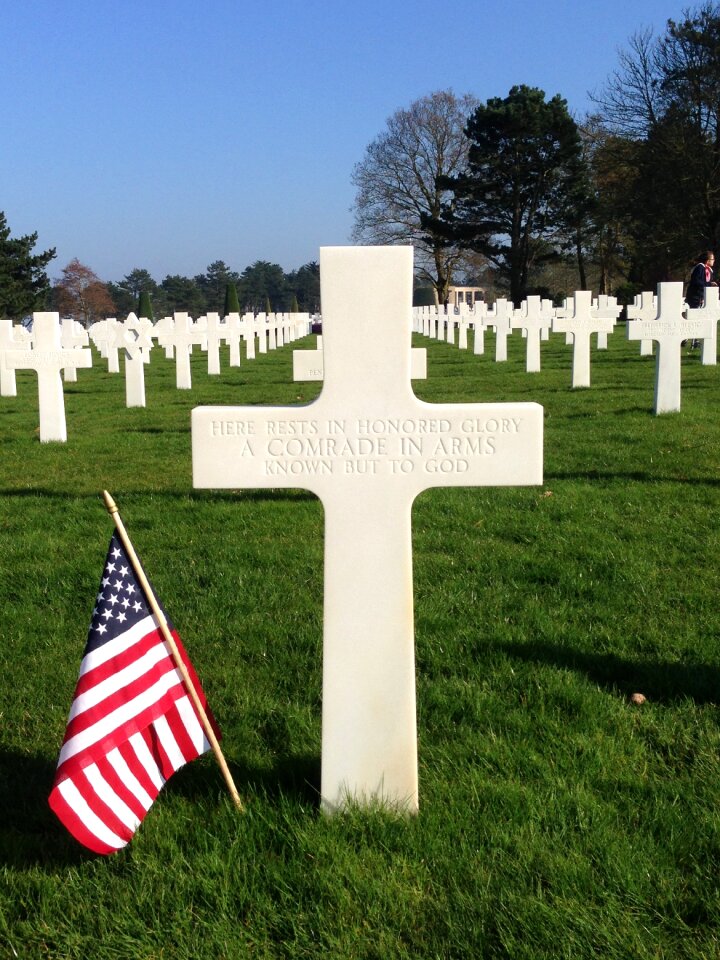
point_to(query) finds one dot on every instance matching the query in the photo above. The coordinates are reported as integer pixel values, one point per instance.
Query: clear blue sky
(167, 134)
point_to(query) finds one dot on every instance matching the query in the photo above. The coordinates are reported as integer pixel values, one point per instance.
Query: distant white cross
(183, 335)
(644, 308)
(135, 337)
(501, 318)
(10, 339)
(534, 318)
(72, 334)
(710, 310)
(216, 332)
(581, 324)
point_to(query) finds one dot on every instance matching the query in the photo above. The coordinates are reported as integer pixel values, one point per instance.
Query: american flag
(131, 725)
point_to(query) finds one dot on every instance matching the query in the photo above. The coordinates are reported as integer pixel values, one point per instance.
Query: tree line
(516, 195)
(80, 293)
(513, 194)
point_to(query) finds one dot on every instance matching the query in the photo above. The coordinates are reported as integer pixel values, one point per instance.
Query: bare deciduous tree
(396, 181)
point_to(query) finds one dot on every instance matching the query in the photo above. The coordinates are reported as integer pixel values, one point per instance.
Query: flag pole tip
(109, 502)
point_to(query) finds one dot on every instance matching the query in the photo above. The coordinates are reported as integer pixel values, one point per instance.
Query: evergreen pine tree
(232, 303)
(145, 305)
(24, 285)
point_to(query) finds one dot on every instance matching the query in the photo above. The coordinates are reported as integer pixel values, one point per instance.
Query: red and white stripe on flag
(131, 725)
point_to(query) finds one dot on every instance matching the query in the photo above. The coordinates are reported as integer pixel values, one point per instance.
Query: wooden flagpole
(172, 646)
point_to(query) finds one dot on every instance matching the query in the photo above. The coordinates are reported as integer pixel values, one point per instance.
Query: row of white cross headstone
(56, 347)
(665, 319)
(579, 318)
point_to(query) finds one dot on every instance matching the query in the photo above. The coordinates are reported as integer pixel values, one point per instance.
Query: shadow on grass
(636, 476)
(297, 777)
(200, 496)
(157, 430)
(32, 836)
(661, 682)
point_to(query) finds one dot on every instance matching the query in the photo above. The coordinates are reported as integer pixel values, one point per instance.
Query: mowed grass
(557, 819)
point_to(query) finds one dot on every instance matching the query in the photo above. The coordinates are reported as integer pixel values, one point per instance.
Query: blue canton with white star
(120, 604)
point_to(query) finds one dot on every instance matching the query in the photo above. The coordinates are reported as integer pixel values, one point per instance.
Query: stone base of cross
(367, 447)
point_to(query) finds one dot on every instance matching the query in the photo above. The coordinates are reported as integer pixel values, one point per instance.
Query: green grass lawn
(557, 819)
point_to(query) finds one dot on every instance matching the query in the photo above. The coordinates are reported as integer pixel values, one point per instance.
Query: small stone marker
(48, 358)
(669, 328)
(367, 447)
(582, 323)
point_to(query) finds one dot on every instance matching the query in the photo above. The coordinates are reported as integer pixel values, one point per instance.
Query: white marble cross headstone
(234, 333)
(669, 328)
(48, 358)
(216, 332)
(582, 323)
(463, 322)
(709, 310)
(534, 318)
(135, 336)
(262, 323)
(163, 325)
(72, 334)
(501, 319)
(183, 335)
(606, 308)
(272, 334)
(479, 322)
(644, 308)
(104, 335)
(367, 447)
(10, 339)
(248, 322)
